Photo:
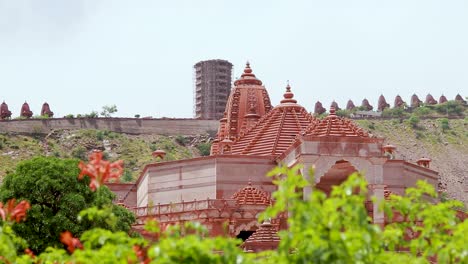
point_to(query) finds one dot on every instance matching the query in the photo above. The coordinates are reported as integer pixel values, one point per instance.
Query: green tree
(414, 121)
(108, 110)
(56, 197)
(444, 123)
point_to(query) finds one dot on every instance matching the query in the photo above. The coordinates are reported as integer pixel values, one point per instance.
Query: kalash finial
(332, 111)
(247, 68)
(288, 95)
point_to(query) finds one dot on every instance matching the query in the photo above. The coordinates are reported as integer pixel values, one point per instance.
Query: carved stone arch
(225, 214)
(236, 215)
(250, 226)
(335, 175)
(324, 164)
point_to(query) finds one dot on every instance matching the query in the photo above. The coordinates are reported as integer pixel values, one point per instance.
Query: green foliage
(69, 116)
(181, 140)
(56, 197)
(204, 148)
(79, 152)
(414, 121)
(435, 230)
(92, 114)
(398, 112)
(449, 108)
(321, 229)
(108, 110)
(422, 111)
(344, 113)
(444, 123)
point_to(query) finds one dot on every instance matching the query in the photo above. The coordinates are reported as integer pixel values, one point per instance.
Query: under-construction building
(212, 87)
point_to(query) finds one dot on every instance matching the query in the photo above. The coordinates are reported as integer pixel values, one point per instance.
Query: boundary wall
(122, 125)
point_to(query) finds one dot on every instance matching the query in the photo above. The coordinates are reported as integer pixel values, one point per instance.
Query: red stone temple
(4, 112)
(45, 111)
(227, 190)
(25, 111)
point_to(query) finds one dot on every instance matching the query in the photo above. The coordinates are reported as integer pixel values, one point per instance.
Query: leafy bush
(343, 113)
(422, 111)
(56, 196)
(450, 108)
(181, 140)
(334, 228)
(444, 123)
(414, 121)
(398, 112)
(204, 148)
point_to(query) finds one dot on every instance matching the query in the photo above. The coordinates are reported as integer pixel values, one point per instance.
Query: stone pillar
(378, 191)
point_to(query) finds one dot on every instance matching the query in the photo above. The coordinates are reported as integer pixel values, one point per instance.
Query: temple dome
(275, 131)
(247, 103)
(333, 125)
(251, 195)
(265, 238)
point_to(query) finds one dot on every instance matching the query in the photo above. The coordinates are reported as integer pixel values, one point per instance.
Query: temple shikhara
(227, 190)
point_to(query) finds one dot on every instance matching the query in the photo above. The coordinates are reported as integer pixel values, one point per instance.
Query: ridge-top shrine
(229, 188)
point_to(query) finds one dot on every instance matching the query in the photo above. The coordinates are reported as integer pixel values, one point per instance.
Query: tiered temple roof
(265, 238)
(247, 102)
(333, 125)
(251, 195)
(275, 131)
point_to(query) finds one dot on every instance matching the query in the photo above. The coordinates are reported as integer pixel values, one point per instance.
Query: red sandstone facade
(227, 190)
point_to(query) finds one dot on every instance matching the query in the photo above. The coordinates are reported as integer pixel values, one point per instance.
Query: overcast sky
(81, 55)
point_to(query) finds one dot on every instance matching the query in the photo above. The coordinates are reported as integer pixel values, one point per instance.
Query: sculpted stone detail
(415, 102)
(350, 105)
(382, 103)
(319, 109)
(45, 111)
(25, 111)
(366, 106)
(442, 99)
(460, 99)
(399, 102)
(4, 112)
(430, 100)
(335, 105)
(247, 103)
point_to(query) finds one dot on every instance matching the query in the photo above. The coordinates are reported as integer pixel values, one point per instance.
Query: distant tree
(108, 110)
(57, 196)
(93, 114)
(414, 121)
(204, 148)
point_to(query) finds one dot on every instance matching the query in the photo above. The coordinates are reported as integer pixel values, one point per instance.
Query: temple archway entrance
(337, 174)
(244, 234)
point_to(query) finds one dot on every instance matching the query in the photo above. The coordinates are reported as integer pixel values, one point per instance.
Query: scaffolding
(212, 85)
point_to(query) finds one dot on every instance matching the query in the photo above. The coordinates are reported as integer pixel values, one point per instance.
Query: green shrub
(79, 153)
(414, 121)
(444, 123)
(449, 108)
(423, 111)
(204, 148)
(181, 140)
(394, 112)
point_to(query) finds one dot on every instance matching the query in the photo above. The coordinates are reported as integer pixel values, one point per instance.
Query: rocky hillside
(444, 141)
(135, 150)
